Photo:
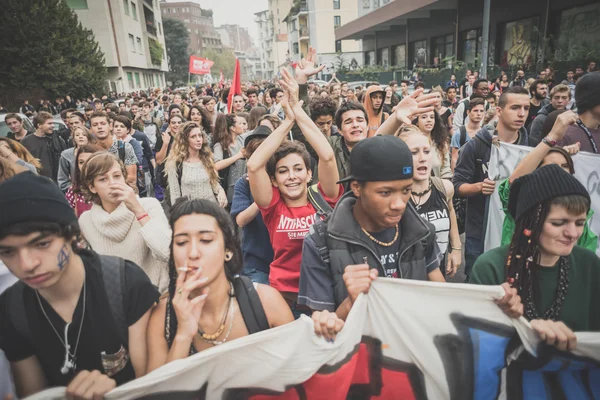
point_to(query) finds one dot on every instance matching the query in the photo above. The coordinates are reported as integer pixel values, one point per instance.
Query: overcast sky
(239, 12)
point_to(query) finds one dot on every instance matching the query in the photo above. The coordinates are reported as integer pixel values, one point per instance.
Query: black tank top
(435, 210)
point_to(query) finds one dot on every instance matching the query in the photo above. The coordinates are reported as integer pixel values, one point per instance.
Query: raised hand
(563, 121)
(290, 86)
(414, 105)
(306, 67)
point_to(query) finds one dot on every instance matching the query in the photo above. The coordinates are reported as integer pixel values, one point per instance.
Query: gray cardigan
(65, 169)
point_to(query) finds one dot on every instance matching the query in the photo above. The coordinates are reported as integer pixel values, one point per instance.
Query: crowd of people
(164, 224)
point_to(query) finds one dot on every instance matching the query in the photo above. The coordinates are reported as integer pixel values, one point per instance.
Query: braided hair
(182, 207)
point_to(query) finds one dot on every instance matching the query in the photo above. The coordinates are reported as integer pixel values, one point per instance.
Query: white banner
(504, 159)
(404, 340)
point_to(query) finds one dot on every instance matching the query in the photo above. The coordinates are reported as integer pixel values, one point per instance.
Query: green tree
(46, 48)
(177, 40)
(225, 61)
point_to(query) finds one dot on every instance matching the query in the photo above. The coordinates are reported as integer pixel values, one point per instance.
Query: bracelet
(455, 248)
(141, 217)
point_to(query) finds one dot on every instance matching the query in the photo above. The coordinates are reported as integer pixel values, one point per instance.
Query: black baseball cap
(380, 159)
(261, 131)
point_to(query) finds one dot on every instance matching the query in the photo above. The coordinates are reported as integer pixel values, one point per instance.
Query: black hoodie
(472, 167)
(535, 131)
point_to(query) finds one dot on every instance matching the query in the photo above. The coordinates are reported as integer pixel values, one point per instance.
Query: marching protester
(15, 124)
(538, 92)
(80, 137)
(476, 113)
(373, 104)
(279, 175)
(190, 167)
(471, 180)
(545, 153)
(480, 89)
(75, 196)
(586, 130)
(208, 303)
(45, 145)
(228, 155)
(256, 246)
(122, 224)
(432, 198)
(560, 96)
(15, 153)
(63, 324)
(558, 281)
(432, 126)
(322, 112)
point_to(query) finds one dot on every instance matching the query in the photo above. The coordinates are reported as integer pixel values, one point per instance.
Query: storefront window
(419, 51)
(399, 56)
(520, 42)
(370, 57)
(383, 57)
(471, 46)
(579, 33)
(443, 48)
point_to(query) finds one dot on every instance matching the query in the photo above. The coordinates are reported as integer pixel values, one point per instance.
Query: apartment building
(312, 23)
(264, 22)
(199, 23)
(235, 36)
(279, 9)
(129, 33)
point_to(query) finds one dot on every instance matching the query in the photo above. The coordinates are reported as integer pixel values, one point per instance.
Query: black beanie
(587, 92)
(543, 184)
(27, 197)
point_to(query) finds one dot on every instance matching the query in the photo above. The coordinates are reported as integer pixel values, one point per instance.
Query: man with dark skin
(481, 89)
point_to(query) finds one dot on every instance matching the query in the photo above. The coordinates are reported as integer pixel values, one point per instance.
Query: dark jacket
(321, 284)
(472, 167)
(535, 131)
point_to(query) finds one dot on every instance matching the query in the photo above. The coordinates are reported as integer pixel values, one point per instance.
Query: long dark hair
(76, 179)
(182, 207)
(206, 118)
(524, 249)
(221, 133)
(439, 134)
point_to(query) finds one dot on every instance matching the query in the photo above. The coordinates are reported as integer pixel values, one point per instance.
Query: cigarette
(183, 269)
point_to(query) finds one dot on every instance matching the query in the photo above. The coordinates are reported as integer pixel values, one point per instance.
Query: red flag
(236, 85)
(221, 79)
(200, 66)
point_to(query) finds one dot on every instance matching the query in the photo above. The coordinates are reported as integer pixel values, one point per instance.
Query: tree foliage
(177, 40)
(225, 61)
(156, 51)
(46, 47)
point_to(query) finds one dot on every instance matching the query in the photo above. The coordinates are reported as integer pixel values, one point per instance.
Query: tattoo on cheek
(63, 257)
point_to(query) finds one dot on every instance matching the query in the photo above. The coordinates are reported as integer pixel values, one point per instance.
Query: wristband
(141, 217)
(549, 143)
(455, 248)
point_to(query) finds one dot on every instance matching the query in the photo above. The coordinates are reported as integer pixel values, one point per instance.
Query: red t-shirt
(287, 228)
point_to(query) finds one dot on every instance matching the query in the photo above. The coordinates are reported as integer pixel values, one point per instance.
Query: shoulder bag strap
(250, 305)
(113, 276)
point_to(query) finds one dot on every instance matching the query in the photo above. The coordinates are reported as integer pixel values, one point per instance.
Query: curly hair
(181, 152)
(439, 135)
(22, 152)
(322, 106)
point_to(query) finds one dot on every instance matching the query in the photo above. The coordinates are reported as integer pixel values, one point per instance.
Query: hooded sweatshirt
(120, 234)
(535, 131)
(472, 167)
(375, 118)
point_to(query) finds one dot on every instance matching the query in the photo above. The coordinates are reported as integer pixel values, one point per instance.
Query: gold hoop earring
(228, 256)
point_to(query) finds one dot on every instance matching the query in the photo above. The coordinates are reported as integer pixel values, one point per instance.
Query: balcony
(304, 34)
(302, 9)
(148, 3)
(150, 21)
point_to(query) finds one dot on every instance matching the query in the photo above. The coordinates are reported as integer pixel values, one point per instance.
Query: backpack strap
(466, 102)
(17, 312)
(463, 135)
(439, 185)
(318, 233)
(121, 148)
(113, 277)
(318, 201)
(250, 305)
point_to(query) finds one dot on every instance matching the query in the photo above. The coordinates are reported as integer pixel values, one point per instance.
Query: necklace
(553, 312)
(211, 338)
(70, 358)
(379, 242)
(420, 196)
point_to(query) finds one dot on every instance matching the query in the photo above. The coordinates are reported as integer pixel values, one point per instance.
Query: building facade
(264, 23)
(436, 33)
(235, 36)
(312, 23)
(279, 10)
(199, 24)
(129, 33)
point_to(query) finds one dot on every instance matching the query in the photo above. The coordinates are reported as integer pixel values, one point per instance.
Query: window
(134, 11)
(139, 45)
(337, 21)
(383, 57)
(336, 4)
(443, 48)
(419, 52)
(578, 31)
(295, 46)
(130, 80)
(370, 57)
(126, 6)
(77, 4)
(399, 56)
(132, 42)
(159, 29)
(471, 41)
(366, 3)
(137, 80)
(338, 46)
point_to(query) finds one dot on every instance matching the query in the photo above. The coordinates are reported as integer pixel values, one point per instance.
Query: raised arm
(260, 182)
(328, 172)
(531, 161)
(410, 106)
